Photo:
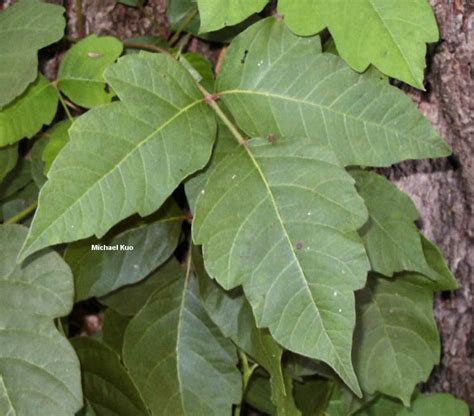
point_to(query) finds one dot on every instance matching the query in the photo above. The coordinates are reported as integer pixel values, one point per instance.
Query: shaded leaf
(34, 358)
(102, 266)
(312, 396)
(127, 156)
(438, 404)
(216, 14)
(25, 27)
(397, 342)
(358, 116)
(258, 395)
(8, 160)
(113, 329)
(108, 388)
(280, 219)
(391, 238)
(80, 74)
(129, 299)
(231, 312)
(132, 3)
(177, 357)
(390, 35)
(26, 115)
(57, 138)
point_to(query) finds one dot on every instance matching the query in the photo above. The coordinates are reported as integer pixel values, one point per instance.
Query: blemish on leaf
(244, 58)
(299, 245)
(271, 138)
(94, 55)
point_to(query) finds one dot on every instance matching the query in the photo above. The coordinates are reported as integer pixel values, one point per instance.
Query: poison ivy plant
(101, 266)
(27, 114)
(216, 14)
(25, 27)
(396, 334)
(392, 240)
(80, 74)
(299, 288)
(37, 364)
(115, 148)
(227, 244)
(107, 385)
(181, 364)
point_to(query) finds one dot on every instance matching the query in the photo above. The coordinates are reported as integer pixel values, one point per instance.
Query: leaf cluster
(229, 221)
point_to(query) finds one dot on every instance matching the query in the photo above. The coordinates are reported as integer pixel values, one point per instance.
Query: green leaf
(113, 329)
(102, 266)
(16, 180)
(312, 396)
(343, 402)
(107, 385)
(392, 240)
(231, 312)
(37, 164)
(274, 82)
(8, 160)
(127, 156)
(396, 339)
(37, 364)
(25, 27)
(391, 36)
(58, 137)
(80, 74)
(128, 300)
(439, 404)
(131, 3)
(178, 358)
(26, 115)
(382, 405)
(258, 395)
(280, 219)
(216, 14)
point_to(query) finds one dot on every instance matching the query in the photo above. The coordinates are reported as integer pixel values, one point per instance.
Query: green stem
(183, 26)
(211, 101)
(144, 46)
(65, 107)
(182, 43)
(22, 215)
(247, 372)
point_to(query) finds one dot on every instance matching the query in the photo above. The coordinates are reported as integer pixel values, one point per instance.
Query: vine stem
(247, 372)
(64, 105)
(22, 215)
(183, 26)
(211, 101)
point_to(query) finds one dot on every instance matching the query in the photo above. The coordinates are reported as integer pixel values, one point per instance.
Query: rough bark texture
(443, 190)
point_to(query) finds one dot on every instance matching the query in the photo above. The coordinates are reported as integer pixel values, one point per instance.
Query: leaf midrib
(138, 146)
(309, 103)
(287, 238)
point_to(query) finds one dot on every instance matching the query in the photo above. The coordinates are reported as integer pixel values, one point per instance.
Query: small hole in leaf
(244, 58)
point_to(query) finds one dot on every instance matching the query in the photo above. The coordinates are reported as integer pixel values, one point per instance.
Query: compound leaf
(275, 83)
(136, 252)
(390, 35)
(27, 114)
(216, 14)
(80, 74)
(280, 219)
(25, 27)
(178, 358)
(397, 342)
(37, 364)
(127, 156)
(108, 388)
